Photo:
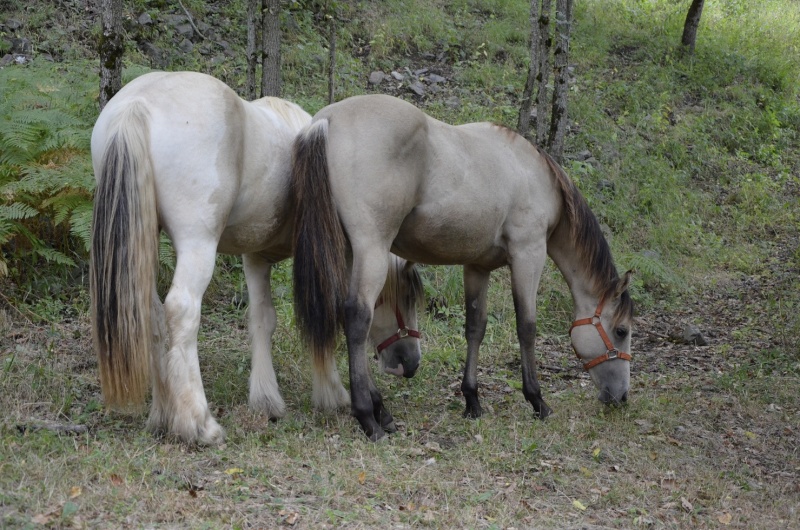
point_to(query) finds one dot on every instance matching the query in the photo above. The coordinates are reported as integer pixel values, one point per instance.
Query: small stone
(479, 438)
(376, 78)
(186, 46)
(145, 19)
(397, 75)
(417, 88)
(434, 78)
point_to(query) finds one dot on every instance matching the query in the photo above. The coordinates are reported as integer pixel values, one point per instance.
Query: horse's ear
(623, 284)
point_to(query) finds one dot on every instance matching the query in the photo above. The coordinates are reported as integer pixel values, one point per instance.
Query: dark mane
(590, 243)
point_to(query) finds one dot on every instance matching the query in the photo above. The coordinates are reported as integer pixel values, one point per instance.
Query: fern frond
(17, 210)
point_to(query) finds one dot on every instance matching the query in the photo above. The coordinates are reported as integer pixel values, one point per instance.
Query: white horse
(381, 175)
(183, 153)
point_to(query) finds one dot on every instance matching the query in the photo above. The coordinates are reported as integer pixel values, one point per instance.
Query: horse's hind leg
(476, 285)
(265, 396)
(328, 392)
(184, 411)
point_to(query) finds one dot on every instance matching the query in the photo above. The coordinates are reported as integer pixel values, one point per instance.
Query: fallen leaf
(362, 477)
(725, 518)
(42, 518)
(596, 452)
(686, 504)
(234, 471)
(116, 479)
(75, 491)
(289, 517)
(579, 505)
(750, 435)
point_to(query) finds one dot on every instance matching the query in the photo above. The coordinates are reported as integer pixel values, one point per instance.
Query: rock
(397, 75)
(584, 155)
(434, 78)
(145, 19)
(417, 88)
(21, 46)
(453, 102)
(692, 335)
(6, 60)
(376, 78)
(186, 46)
(185, 30)
(13, 24)
(420, 72)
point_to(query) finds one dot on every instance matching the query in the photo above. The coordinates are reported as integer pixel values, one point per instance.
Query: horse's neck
(562, 250)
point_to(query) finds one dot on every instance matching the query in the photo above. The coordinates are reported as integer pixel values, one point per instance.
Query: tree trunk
(252, 53)
(331, 57)
(545, 43)
(111, 49)
(524, 122)
(271, 45)
(690, 26)
(558, 123)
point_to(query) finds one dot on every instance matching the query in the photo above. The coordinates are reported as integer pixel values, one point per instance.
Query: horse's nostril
(624, 398)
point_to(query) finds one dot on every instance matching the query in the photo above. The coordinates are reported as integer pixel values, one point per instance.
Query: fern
(46, 183)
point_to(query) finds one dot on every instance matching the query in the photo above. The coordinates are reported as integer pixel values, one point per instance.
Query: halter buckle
(612, 354)
(402, 333)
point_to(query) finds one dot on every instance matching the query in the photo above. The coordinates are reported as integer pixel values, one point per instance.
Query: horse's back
(451, 194)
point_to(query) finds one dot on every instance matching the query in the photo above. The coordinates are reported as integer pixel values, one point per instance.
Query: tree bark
(690, 26)
(252, 52)
(332, 58)
(524, 121)
(271, 45)
(111, 49)
(558, 120)
(545, 43)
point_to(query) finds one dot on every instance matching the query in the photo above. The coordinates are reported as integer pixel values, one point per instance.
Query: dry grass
(709, 440)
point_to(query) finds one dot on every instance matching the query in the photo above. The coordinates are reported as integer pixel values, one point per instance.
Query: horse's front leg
(366, 401)
(476, 285)
(525, 275)
(265, 396)
(179, 406)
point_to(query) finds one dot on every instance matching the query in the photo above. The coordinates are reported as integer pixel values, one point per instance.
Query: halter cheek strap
(611, 351)
(403, 331)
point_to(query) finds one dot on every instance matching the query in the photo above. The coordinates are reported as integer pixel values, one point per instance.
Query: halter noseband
(403, 331)
(611, 351)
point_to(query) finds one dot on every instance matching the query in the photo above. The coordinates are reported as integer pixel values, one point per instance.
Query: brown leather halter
(403, 331)
(611, 351)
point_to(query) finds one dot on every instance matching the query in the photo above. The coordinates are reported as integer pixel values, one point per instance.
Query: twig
(66, 428)
(12, 306)
(191, 21)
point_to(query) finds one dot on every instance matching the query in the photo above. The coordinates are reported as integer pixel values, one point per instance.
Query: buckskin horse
(374, 174)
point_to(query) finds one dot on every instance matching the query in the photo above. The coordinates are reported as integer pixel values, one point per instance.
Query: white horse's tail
(124, 259)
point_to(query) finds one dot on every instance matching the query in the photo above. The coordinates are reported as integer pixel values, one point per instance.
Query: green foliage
(46, 181)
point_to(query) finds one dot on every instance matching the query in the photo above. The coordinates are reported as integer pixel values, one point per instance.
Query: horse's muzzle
(607, 398)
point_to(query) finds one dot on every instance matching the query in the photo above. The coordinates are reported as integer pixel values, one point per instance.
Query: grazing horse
(183, 153)
(382, 175)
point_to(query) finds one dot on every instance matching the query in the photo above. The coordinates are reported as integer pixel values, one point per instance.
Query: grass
(693, 171)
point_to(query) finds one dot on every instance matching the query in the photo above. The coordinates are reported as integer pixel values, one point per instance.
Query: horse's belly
(269, 237)
(454, 241)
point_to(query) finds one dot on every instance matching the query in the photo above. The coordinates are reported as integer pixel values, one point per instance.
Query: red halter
(611, 351)
(403, 331)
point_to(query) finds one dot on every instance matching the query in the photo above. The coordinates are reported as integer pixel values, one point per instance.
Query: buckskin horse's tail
(124, 259)
(319, 242)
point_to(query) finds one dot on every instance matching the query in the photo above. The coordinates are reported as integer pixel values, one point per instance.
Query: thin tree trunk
(558, 123)
(524, 122)
(271, 46)
(111, 49)
(690, 26)
(545, 43)
(252, 53)
(331, 58)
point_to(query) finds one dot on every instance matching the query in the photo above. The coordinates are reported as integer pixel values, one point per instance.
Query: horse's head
(394, 328)
(603, 343)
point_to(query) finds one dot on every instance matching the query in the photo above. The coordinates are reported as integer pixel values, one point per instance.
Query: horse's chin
(397, 371)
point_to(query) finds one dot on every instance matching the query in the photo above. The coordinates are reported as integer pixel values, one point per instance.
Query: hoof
(273, 409)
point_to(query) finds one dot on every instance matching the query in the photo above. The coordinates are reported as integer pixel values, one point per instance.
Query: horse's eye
(621, 333)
